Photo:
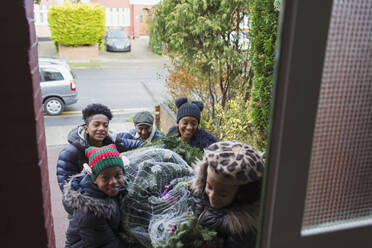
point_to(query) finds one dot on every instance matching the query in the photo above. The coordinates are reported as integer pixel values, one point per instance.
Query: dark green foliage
(155, 46)
(154, 43)
(77, 24)
(202, 37)
(173, 142)
(263, 37)
(192, 235)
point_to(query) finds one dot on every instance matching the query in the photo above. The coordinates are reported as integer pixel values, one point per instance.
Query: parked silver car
(58, 86)
(54, 61)
(117, 40)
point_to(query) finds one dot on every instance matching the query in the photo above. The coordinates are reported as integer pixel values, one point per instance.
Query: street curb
(114, 111)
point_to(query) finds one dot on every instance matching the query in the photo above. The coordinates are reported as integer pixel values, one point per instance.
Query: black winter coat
(72, 157)
(201, 139)
(235, 224)
(217, 219)
(95, 220)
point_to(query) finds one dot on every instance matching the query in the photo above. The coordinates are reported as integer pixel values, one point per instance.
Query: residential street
(125, 82)
(119, 88)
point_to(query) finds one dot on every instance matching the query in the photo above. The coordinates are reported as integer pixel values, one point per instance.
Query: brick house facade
(132, 15)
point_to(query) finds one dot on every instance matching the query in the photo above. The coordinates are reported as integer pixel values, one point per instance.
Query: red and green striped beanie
(103, 157)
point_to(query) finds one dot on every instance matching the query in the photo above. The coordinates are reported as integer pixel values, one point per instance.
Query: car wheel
(53, 106)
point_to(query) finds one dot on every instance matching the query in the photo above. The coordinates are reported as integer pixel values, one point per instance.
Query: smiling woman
(188, 120)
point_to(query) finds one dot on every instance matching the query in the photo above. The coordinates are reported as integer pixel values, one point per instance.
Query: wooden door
(144, 18)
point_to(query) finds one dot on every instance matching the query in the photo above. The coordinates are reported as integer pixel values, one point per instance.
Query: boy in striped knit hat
(93, 200)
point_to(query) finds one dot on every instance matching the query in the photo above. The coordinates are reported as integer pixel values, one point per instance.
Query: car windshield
(117, 34)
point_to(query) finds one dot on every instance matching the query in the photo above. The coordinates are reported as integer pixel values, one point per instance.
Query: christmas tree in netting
(156, 181)
(157, 211)
(175, 205)
(176, 226)
(174, 142)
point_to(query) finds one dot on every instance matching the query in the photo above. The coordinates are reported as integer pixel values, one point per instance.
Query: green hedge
(263, 35)
(155, 44)
(77, 24)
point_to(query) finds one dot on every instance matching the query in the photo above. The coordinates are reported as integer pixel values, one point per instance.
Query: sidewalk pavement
(140, 56)
(59, 215)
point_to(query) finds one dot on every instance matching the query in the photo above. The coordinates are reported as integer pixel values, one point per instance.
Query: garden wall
(165, 118)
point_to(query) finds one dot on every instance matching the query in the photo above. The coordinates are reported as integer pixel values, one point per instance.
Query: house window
(141, 17)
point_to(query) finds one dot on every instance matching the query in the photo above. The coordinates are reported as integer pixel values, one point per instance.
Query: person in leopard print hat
(226, 191)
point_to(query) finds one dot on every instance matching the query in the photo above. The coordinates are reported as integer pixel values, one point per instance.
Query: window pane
(52, 76)
(339, 191)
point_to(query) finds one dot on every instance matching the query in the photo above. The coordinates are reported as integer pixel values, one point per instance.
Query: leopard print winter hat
(233, 162)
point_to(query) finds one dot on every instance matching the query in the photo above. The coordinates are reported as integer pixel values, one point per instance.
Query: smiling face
(219, 194)
(97, 129)
(187, 127)
(144, 131)
(110, 180)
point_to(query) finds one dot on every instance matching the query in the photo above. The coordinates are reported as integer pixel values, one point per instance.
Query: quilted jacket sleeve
(67, 164)
(125, 141)
(172, 130)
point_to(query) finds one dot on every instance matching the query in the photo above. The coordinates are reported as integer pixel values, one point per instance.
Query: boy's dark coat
(95, 220)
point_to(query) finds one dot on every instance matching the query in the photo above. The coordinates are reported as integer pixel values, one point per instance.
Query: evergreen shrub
(235, 121)
(263, 36)
(77, 24)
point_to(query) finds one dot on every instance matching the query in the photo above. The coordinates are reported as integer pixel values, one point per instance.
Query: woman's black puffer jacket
(201, 139)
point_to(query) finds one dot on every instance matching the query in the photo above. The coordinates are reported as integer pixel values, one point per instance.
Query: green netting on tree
(150, 169)
(176, 226)
(173, 142)
(175, 205)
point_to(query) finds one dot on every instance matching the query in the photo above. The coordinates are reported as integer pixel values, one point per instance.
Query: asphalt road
(125, 82)
(125, 92)
(119, 88)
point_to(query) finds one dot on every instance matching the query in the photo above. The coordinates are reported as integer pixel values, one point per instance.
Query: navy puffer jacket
(201, 139)
(72, 157)
(95, 220)
(131, 140)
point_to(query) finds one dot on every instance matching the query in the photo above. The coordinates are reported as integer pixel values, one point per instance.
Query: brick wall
(136, 11)
(25, 212)
(112, 3)
(82, 52)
